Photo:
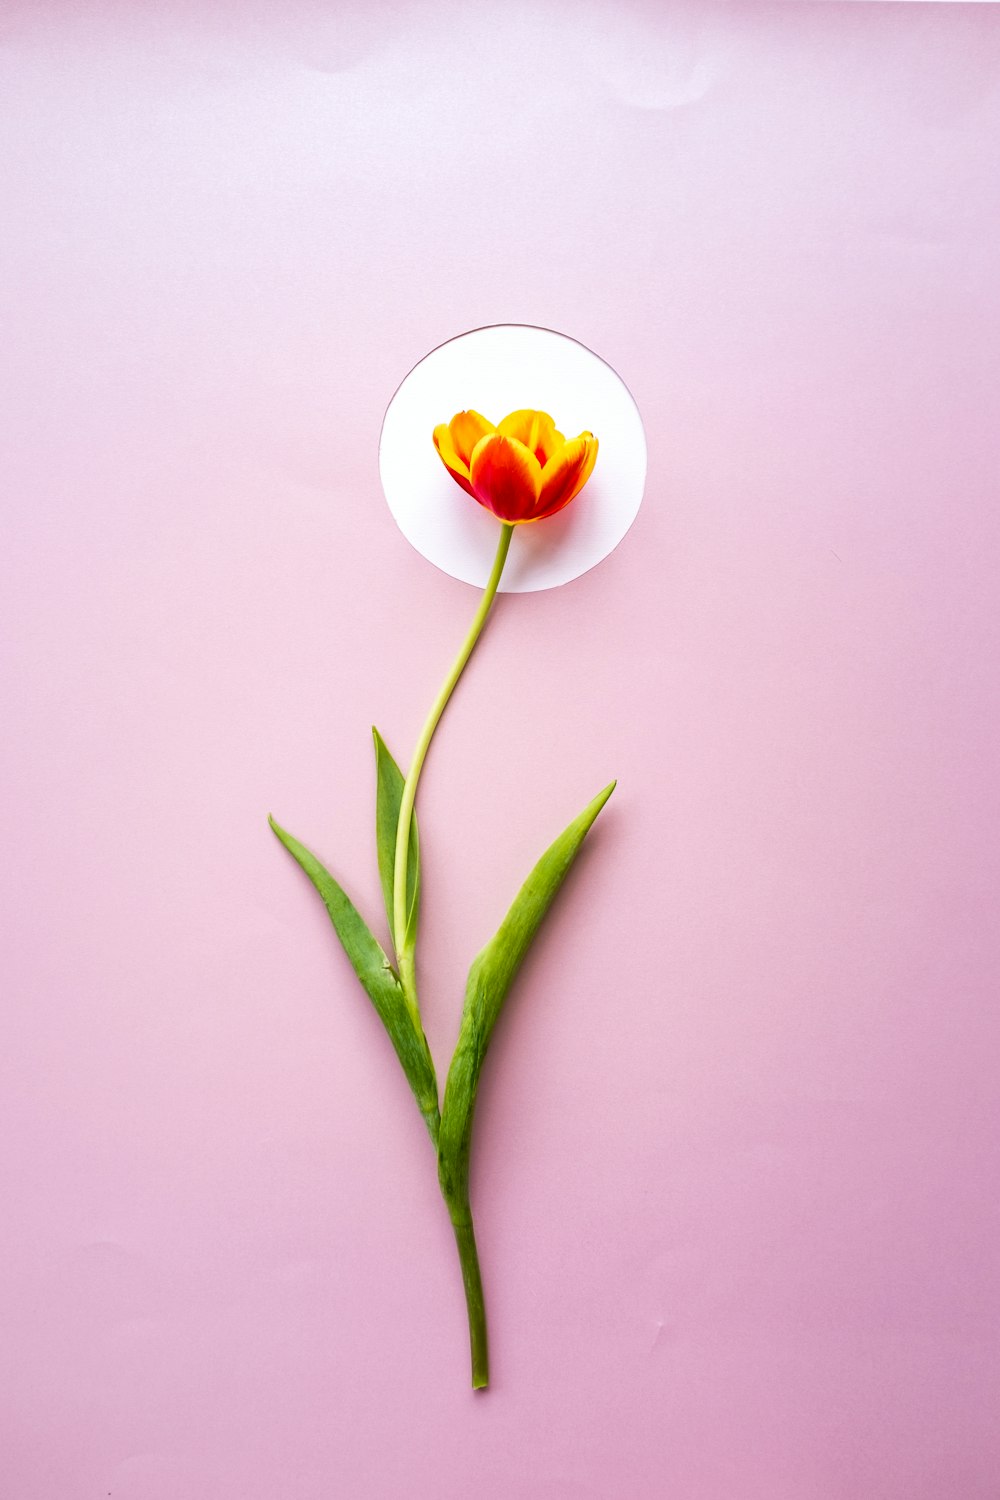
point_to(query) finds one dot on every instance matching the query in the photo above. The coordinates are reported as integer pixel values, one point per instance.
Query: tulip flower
(522, 470)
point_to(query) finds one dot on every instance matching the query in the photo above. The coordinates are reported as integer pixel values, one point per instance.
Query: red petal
(566, 473)
(506, 478)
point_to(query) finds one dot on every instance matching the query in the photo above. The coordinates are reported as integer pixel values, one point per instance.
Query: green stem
(465, 1239)
(404, 944)
(459, 1211)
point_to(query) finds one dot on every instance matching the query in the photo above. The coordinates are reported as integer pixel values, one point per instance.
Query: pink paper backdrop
(736, 1173)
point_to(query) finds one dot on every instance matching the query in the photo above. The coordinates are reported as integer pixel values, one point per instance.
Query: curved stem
(466, 1241)
(404, 946)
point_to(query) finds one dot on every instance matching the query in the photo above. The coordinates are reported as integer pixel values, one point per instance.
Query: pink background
(736, 1171)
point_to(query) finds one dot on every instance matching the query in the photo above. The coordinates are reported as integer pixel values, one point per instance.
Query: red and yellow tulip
(522, 470)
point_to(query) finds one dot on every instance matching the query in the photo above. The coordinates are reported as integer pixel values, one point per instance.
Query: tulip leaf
(378, 979)
(490, 978)
(388, 795)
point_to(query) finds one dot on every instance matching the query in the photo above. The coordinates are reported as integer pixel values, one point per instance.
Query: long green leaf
(490, 978)
(377, 977)
(388, 795)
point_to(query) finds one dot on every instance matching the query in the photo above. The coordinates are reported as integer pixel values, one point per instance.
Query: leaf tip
(603, 796)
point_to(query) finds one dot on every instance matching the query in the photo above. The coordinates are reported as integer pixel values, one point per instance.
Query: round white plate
(495, 371)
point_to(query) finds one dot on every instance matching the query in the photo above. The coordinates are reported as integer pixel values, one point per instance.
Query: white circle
(495, 371)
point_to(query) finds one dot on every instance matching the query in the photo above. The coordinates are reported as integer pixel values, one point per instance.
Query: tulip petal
(536, 430)
(457, 468)
(466, 428)
(506, 477)
(566, 473)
